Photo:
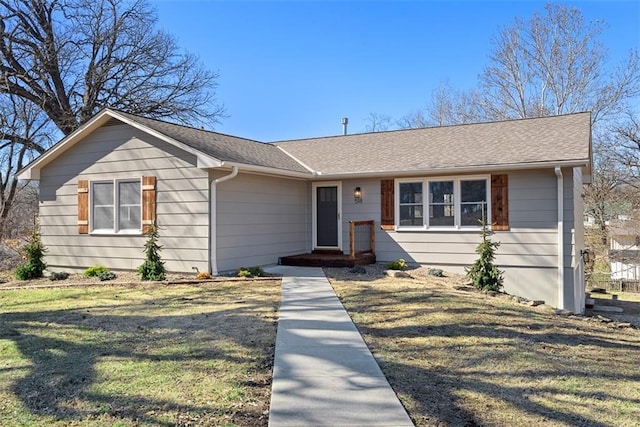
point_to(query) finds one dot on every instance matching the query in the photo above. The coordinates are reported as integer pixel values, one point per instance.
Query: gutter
(213, 260)
(560, 183)
(450, 170)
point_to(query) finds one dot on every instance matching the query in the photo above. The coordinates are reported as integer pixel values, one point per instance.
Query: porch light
(357, 195)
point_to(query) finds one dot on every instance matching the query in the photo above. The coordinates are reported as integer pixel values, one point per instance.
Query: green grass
(145, 355)
(464, 358)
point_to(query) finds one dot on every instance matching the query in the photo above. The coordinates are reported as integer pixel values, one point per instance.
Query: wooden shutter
(83, 206)
(387, 221)
(500, 202)
(148, 202)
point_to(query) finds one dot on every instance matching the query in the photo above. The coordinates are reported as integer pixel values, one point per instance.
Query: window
(452, 203)
(441, 204)
(473, 202)
(411, 204)
(116, 206)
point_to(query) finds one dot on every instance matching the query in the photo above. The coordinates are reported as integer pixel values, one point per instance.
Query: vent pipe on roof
(345, 122)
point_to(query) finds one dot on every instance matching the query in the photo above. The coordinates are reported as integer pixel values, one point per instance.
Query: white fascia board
(451, 171)
(204, 161)
(304, 165)
(207, 162)
(32, 170)
(270, 171)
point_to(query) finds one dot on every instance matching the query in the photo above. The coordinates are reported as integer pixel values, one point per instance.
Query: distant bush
(250, 272)
(95, 271)
(62, 275)
(398, 264)
(106, 275)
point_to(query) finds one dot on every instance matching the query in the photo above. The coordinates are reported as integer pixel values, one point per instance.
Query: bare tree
(555, 64)
(626, 147)
(604, 194)
(67, 59)
(378, 122)
(22, 135)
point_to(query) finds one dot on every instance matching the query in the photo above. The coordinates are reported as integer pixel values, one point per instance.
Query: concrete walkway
(324, 374)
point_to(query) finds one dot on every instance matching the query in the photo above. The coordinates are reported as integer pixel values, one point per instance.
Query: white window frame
(116, 210)
(456, 202)
(397, 203)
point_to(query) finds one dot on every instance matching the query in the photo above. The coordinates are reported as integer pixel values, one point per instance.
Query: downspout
(213, 260)
(560, 192)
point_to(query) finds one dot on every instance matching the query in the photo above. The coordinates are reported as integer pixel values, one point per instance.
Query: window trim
(116, 211)
(456, 202)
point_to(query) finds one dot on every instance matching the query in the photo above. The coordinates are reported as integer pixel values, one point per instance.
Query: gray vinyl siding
(122, 152)
(259, 219)
(528, 252)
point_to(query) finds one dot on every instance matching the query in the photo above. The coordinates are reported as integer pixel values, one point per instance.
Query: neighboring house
(624, 252)
(222, 202)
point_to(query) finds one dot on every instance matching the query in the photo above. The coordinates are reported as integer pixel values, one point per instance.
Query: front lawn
(463, 358)
(138, 355)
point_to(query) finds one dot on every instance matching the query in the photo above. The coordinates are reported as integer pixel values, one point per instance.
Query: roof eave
(455, 169)
(32, 170)
(269, 170)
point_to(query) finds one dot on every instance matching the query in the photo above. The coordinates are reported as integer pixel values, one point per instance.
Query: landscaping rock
(562, 312)
(622, 325)
(535, 303)
(397, 274)
(358, 269)
(604, 319)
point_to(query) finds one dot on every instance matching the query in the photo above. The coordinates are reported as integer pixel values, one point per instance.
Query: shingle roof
(222, 147)
(550, 139)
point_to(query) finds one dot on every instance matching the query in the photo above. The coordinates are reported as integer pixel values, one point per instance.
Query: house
(624, 249)
(222, 202)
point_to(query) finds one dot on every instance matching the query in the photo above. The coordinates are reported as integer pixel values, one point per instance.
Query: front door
(327, 215)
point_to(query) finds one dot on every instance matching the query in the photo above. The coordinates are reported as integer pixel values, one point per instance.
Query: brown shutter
(148, 202)
(500, 202)
(83, 206)
(387, 221)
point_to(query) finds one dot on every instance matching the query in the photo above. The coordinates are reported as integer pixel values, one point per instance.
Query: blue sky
(293, 69)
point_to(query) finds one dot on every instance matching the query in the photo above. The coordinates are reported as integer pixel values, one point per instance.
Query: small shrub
(106, 275)
(256, 271)
(63, 275)
(203, 275)
(244, 272)
(95, 271)
(153, 266)
(250, 272)
(436, 272)
(34, 253)
(398, 264)
(484, 274)
(27, 271)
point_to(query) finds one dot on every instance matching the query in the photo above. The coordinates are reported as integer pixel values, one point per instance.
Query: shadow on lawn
(62, 372)
(439, 389)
